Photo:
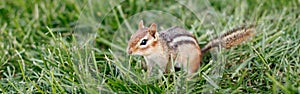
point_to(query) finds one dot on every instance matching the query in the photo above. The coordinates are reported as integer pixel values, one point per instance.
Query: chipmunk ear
(141, 24)
(152, 30)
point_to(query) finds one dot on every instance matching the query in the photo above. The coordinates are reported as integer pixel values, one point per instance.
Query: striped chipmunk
(178, 46)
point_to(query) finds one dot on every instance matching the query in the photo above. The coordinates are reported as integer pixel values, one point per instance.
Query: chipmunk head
(144, 41)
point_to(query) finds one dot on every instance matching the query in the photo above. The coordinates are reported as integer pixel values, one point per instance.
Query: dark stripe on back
(179, 35)
(183, 42)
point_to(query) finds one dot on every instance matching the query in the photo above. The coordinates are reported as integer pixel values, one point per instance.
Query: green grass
(66, 46)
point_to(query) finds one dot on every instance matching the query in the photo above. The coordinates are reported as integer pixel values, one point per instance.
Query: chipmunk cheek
(154, 43)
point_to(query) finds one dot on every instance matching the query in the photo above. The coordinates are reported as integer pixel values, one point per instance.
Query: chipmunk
(179, 46)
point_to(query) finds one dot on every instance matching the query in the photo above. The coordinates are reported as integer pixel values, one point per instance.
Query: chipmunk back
(178, 46)
(183, 48)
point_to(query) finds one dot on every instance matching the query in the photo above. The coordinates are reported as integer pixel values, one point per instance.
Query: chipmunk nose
(129, 51)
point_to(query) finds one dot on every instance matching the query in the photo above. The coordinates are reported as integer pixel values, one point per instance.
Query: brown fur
(135, 38)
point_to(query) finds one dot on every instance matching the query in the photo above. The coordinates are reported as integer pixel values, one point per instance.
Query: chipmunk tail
(231, 38)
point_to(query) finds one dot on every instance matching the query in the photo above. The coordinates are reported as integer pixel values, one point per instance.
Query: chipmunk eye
(144, 42)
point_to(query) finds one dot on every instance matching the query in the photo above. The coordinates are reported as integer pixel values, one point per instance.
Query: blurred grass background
(41, 49)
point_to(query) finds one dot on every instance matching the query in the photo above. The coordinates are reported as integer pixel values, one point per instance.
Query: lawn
(67, 46)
